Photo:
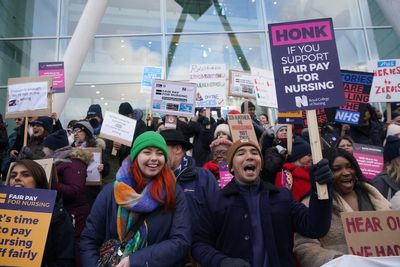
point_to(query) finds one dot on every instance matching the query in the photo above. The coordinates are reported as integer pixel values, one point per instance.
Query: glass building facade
(174, 34)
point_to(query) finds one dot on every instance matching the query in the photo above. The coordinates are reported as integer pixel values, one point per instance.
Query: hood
(65, 154)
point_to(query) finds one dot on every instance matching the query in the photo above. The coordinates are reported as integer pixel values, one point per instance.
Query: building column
(78, 47)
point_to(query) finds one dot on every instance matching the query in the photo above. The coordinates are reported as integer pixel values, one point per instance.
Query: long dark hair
(36, 170)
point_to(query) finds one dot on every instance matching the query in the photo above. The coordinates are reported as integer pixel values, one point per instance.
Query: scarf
(130, 205)
(212, 166)
(184, 164)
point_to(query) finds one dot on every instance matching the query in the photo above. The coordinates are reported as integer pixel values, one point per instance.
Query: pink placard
(370, 159)
(224, 175)
(55, 70)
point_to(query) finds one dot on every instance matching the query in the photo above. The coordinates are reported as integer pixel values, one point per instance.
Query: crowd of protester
(161, 197)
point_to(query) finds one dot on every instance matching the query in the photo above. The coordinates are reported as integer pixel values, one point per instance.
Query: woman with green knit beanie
(144, 198)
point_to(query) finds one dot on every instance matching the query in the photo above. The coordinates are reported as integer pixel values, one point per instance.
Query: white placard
(386, 83)
(118, 128)
(241, 84)
(93, 174)
(265, 87)
(211, 84)
(27, 96)
(173, 98)
(150, 74)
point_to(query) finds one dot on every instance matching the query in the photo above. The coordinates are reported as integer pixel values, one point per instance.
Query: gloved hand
(205, 121)
(321, 173)
(234, 262)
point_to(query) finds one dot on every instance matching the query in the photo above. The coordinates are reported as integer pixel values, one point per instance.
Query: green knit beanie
(149, 139)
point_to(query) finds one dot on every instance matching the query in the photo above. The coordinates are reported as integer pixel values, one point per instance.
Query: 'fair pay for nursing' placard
(306, 65)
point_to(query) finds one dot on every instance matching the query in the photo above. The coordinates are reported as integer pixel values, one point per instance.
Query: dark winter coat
(385, 185)
(169, 233)
(367, 134)
(59, 250)
(201, 142)
(224, 228)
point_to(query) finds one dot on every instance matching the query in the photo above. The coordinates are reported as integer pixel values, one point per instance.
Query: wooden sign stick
(388, 112)
(26, 132)
(316, 151)
(289, 137)
(271, 121)
(208, 115)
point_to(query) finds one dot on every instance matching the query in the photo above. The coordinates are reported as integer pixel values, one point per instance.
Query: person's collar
(232, 187)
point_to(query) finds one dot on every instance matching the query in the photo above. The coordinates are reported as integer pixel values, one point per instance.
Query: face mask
(30, 130)
(71, 139)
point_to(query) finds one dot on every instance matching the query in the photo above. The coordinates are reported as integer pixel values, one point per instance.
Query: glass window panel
(237, 51)
(372, 13)
(21, 58)
(121, 17)
(20, 18)
(343, 12)
(384, 43)
(203, 16)
(119, 59)
(352, 49)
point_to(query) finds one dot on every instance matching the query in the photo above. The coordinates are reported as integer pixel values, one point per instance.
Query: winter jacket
(169, 234)
(201, 142)
(316, 252)
(385, 185)
(296, 179)
(367, 134)
(59, 249)
(225, 230)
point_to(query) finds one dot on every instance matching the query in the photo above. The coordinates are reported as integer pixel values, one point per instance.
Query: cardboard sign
(149, 75)
(265, 87)
(372, 233)
(386, 83)
(241, 127)
(357, 86)
(173, 98)
(55, 70)
(211, 84)
(47, 165)
(306, 65)
(370, 159)
(291, 117)
(28, 96)
(93, 175)
(241, 84)
(118, 128)
(224, 175)
(25, 216)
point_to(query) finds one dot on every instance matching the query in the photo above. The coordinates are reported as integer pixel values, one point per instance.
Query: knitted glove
(321, 173)
(234, 262)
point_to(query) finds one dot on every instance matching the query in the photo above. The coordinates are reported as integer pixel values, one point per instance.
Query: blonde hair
(393, 169)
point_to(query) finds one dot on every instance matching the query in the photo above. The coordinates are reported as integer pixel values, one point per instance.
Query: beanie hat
(223, 127)
(300, 149)
(391, 149)
(149, 139)
(84, 126)
(220, 141)
(56, 140)
(125, 109)
(94, 110)
(249, 105)
(277, 127)
(238, 144)
(45, 122)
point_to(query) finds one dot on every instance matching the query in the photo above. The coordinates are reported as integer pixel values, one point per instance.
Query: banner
(211, 84)
(241, 84)
(306, 65)
(118, 128)
(372, 233)
(25, 216)
(149, 75)
(241, 127)
(173, 98)
(55, 70)
(357, 86)
(265, 87)
(386, 83)
(370, 159)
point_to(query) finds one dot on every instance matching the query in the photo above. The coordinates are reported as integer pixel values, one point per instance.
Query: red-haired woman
(143, 197)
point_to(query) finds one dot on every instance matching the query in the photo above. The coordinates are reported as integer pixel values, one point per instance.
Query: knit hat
(393, 129)
(394, 105)
(392, 148)
(223, 127)
(149, 139)
(84, 126)
(300, 149)
(220, 141)
(56, 140)
(125, 109)
(175, 137)
(45, 122)
(277, 127)
(238, 144)
(94, 110)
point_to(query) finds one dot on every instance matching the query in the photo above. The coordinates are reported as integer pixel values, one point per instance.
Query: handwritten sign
(173, 98)
(372, 233)
(241, 84)
(149, 75)
(265, 87)
(55, 70)
(211, 84)
(28, 96)
(370, 159)
(118, 128)
(386, 83)
(93, 175)
(25, 216)
(241, 127)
